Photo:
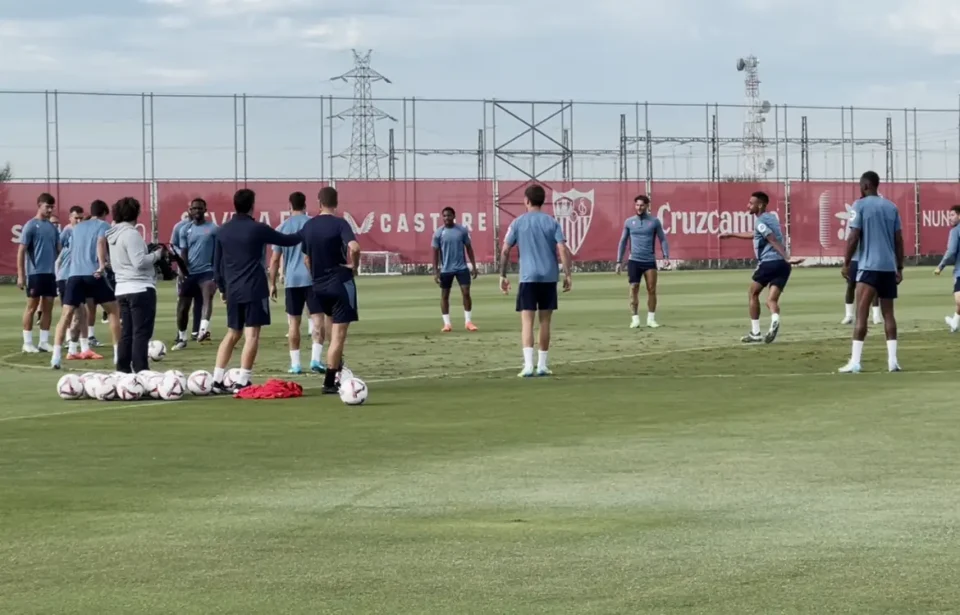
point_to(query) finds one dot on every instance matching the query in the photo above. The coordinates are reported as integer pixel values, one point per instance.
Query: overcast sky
(884, 53)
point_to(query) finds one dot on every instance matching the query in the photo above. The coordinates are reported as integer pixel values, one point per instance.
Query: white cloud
(931, 24)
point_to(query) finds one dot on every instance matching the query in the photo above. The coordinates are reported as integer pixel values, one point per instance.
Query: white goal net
(379, 263)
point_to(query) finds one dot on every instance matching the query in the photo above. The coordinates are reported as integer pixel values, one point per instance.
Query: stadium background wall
(401, 215)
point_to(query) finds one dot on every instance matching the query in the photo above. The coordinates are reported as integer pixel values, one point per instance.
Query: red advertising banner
(272, 206)
(936, 199)
(402, 216)
(819, 216)
(18, 203)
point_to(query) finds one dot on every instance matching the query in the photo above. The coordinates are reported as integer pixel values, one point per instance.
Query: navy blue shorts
(533, 296)
(42, 285)
(337, 299)
(61, 289)
(956, 285)
(462, 277)
(248, 314)
(190, 287)
(82, 288)
(773, 273)
(636, 269)
(884, 282)
(852, 274)
(296, 298)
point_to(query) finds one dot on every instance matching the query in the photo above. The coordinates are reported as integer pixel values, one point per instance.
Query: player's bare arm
(102, 254)
(504, 264)
(274, 272)
(436, 265)
(565, 260)
(898, 247)
(473, 261)
(747, 236)
(22, 267)
(853, 241)
(353, 256)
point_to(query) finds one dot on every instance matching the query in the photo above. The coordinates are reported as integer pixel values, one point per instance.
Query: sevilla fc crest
(574, 211)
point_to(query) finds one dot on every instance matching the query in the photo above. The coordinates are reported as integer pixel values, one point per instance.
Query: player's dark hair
(126, 209)
(298, 201)
(955, 209)
(46, 199)
(642, 198)
(99, 209)
(762, 197)
(200, 201)
(76, 209)
(536, 195)
(328, 197)
(871, 179)
(450, 209)
(243, 201)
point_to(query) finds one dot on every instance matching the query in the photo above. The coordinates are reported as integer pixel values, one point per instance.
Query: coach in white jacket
(136, 286)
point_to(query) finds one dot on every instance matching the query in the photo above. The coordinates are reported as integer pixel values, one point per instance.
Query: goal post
(379, 263)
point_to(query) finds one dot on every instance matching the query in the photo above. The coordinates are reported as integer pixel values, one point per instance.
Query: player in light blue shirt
(450, 242)
(876, 233)
(540, 240)
(950, 258)
(79, 348)
(196, 246)
(88, 261)
(298, 289)
(36, 272)
(773, 268)
(642, 232)
(176, 241)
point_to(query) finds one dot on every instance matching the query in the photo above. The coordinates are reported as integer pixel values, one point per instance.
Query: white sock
(467, 317)
(204, 326)
(857, 353)
(91, 332)
(891, 351)
(294, 357)
(84, 345)
(244, 376)
(636, 318)
(316, 353)
(542, 359)
(755, 327)
(218, 374)
(848, 310)
(876, 312)
(310, 326)
(956, 320)
(115, 354)
(44, 337)
(57, 352)
(651, 316)
(774, 318)
(72, 348)
(182, 336)
(28, 337)
(446, 319)
(528, 358)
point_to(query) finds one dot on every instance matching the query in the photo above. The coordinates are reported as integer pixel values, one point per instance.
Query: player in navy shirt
(332, 256)
(950, 257)
(36, 272)
(773, 269)
(876, 234)
(196, 243)
(541, 242)
(642, 232)
(242, 279)
(449, 244)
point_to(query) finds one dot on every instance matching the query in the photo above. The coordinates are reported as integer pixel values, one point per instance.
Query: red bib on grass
(271, 389)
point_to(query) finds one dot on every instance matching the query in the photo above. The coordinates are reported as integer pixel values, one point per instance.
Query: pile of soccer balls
(171, 385)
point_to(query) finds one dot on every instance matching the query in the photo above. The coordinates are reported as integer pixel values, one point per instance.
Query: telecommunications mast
(754, 163)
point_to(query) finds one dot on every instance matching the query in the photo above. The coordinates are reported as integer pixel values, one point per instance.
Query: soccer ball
(152, 385)
(129, 388)
(176, 373)
(157, 350)
(231, 378)
(90, 382)
(70, 387)
(170, 388)
(106, 389)
(344, 374)
(200, 383)
(353, 391)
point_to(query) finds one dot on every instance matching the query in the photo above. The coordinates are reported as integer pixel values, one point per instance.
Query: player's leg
(185, 296)
(650, 277)
(46, 318)
(235, 325)
(877, 312)
(753, 309)
(778, 283)
(446, 283)
(546, 305)
(74, 296)
(886, 295)
(865, 294)
(464, 281)
(207, 290)
(79, 330)
(848, 299)
(319, 323)
(634, 277)
(953, 322)
(294, 300)
(29, 313)
(92, 323)
(197, 304)
(527, 307)
(257, 315)
(343, 310)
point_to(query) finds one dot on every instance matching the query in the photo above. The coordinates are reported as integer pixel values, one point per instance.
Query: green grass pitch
(659, 471)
